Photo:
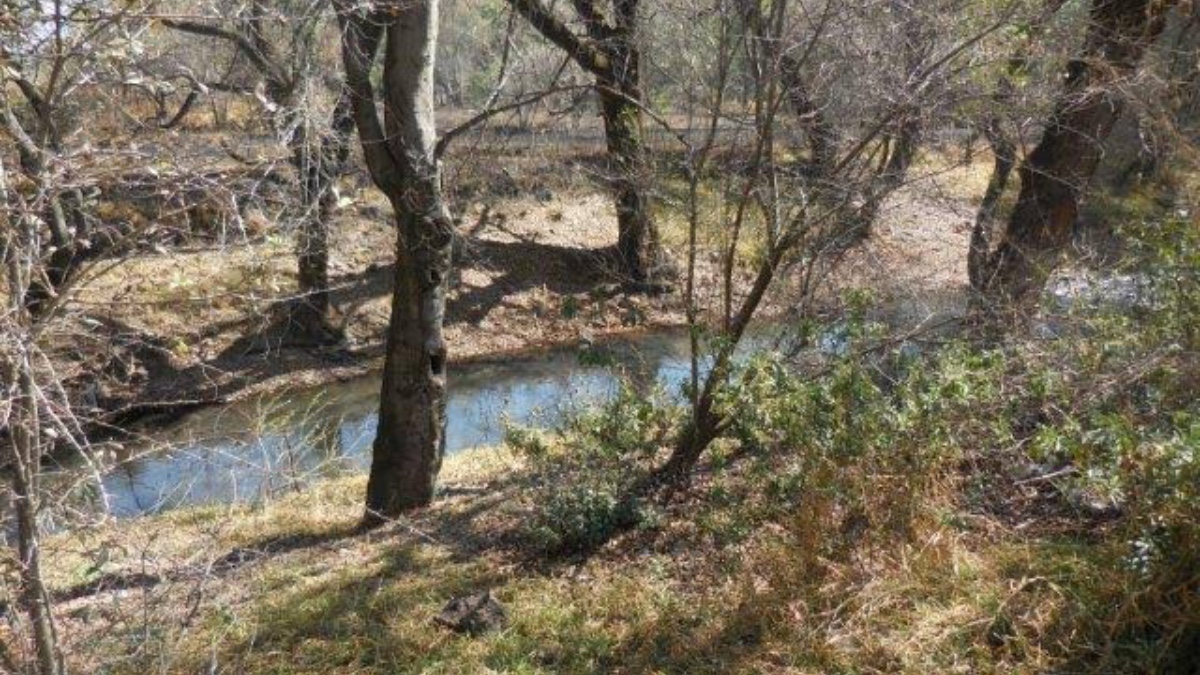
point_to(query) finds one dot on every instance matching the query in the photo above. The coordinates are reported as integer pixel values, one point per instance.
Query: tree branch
(485, 115)
(589, 56)
(361, 37)
(263, 62)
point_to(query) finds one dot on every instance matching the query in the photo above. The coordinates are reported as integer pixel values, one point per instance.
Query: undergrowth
(1070, 463)
(1027, 508)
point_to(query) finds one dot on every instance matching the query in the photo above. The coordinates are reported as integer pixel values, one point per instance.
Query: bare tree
(1056, 172)
(317, 152)
(46, 60)
(608, 50)
(801, 221)
(23, 431)
(399, 152)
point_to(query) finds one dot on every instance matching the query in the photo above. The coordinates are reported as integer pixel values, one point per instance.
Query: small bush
(585, 480)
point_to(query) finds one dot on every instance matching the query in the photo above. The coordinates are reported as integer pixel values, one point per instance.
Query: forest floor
(293, 587)
(162, 331)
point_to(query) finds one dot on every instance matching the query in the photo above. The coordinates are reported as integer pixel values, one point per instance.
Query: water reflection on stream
(247, 451)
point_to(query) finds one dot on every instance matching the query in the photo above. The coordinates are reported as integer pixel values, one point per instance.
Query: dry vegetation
(975, 449)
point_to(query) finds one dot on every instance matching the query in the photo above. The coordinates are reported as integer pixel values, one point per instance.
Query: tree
(1056, 172)
(45, 60)
(803, 215)
(21, 402)
(399, 152)
(317, 153)
(608, 50)
(1002, 143)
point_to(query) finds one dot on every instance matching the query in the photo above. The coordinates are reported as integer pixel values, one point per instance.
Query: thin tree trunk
(17, 239)
(34, 597)
(1004, 151)
(1055, 174)
(705, 423)
(318, 170)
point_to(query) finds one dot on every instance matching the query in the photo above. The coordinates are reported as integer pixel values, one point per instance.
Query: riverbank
(972, 514)
(164, 332)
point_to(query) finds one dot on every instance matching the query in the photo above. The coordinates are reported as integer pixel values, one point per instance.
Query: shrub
(585, 480)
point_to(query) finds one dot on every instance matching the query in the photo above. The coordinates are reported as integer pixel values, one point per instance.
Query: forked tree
(286, 63)
(1055, 174)
(400, 154)
(608, 50)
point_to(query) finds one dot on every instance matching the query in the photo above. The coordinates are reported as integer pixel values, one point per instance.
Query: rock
(473, 614)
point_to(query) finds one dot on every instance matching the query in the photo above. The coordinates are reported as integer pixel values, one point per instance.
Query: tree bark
(1056, 172)
(410, 440)
(822, 139)
(609, 52)
(637, 235)
(318, 170)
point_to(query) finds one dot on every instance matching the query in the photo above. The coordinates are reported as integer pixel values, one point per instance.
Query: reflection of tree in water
(643, 368)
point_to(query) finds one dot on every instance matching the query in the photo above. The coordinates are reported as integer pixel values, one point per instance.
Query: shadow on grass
(516, 266)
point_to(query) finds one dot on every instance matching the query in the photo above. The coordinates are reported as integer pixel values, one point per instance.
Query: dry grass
(701, 593)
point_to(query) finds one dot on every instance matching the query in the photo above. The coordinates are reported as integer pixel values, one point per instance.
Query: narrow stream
(255, 449)
(252, 450)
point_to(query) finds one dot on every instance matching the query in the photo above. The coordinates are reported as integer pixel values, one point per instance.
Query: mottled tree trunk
(409, 443)
(410, 440)
(1056, 172)
(637, 235)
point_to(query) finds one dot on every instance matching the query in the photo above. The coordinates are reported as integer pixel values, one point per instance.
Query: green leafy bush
(585, 480)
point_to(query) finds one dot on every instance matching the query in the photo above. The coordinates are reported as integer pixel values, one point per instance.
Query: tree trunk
(1004, 152)
(822, 139)
(637, 234)
(18, 241)
(410, 440)
(1055, 173)
(312, 246)
(609, 52)
(25, 458)
(318, 169)
(705, 423)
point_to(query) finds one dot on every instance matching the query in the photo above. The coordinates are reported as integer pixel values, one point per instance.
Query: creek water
(252, 450)
(255, 449)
